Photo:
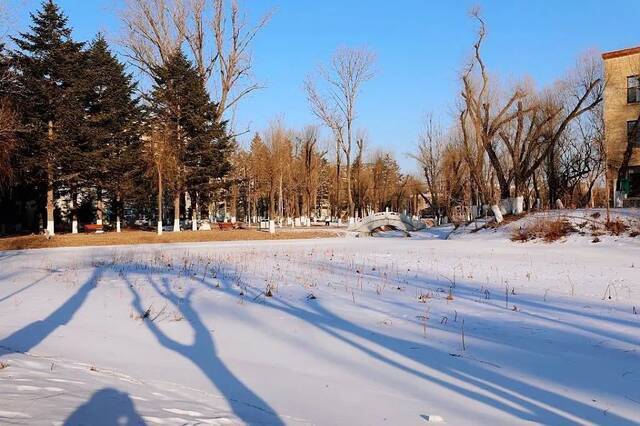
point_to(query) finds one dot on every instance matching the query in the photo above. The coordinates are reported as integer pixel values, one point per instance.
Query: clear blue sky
(421, 47)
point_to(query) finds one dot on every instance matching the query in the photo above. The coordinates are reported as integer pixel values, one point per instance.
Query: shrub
(556, 229)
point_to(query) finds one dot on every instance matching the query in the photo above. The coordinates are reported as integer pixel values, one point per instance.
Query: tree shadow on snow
(467, 378)
(526, 401)
(245, 404)
(31, 335)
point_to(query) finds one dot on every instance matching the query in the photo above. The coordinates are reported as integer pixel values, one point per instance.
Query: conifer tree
(7, 122)
(51, 66)
(199, 145)
(112, 127)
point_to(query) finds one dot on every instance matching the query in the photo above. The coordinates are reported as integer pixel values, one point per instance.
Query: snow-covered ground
(357, 331)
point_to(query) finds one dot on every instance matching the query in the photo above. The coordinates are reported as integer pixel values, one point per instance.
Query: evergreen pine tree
(51, 66)
(8, 124)
(181, 104)
(112, 128)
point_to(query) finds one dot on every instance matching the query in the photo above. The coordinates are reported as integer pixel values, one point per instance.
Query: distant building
(622, 130)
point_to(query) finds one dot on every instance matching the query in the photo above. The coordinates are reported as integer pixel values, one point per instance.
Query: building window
(633, 89)
(633, 132)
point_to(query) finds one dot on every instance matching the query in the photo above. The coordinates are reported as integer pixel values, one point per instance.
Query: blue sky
(421, 46)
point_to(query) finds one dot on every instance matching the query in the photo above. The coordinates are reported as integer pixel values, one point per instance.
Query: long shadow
(107, 407)
(20, 290)
(203, 354)
(469, 291)
(490, 387)
(31, 335)
(6, 255)
(536, 404)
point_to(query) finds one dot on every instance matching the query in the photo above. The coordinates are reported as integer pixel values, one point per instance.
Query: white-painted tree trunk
(559, 204)
(506, 206)
(159, 227)
(518, 205)
(118, 211)
(497, 213)
(50, 200)
(194, 220)
(74, 215)
(176, 214)
(100, 208)
(50, 208)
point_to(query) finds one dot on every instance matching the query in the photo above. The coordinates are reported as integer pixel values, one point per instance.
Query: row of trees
(76, 128)
(82, 141)
(289, 173)
(514, 146)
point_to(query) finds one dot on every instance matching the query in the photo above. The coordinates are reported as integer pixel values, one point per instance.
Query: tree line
(84, 142)
(515, 147)
(79, 130)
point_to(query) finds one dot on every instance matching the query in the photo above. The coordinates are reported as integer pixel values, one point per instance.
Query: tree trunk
(280, 200)
(349, 195)
(497, 213)
(50, 199)
(99, 207)
(337, 200)
(159, 201)
(176, 212)
(118, 211)
(74, 211)
(194, 214)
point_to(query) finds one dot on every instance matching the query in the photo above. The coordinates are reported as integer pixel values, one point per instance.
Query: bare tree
(335, 105)
(311, 162)
(431, 147)
(155, 30)
(233, 37)
(161, 164)
(526, 127)
(486, 117)
(217, 34)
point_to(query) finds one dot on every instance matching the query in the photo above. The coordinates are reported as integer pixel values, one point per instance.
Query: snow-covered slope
(588, 223)
(357, 331)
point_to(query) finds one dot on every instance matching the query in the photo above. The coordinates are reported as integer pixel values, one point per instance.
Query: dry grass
(148, 237)
(616, 227)
(549, 230)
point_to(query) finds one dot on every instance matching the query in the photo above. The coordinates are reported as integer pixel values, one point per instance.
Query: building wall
(616, 109)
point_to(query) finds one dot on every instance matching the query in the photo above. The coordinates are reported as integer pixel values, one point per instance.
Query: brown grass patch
(148, 237)
(616, 227)
(548, 230)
